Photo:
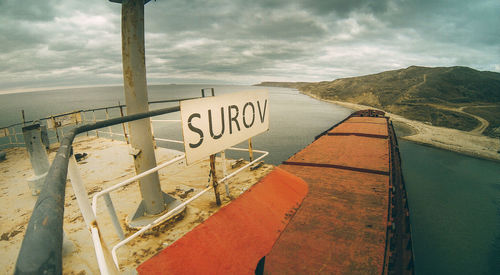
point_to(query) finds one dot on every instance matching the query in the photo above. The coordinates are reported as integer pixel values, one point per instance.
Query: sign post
(215, 184)
(213, 124)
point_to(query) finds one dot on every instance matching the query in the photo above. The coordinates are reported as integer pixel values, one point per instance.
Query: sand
(108, 163)
(469, 143)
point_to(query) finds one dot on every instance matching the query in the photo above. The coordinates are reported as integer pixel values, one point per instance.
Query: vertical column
(136, 97)
(38, 157)
(215, 183)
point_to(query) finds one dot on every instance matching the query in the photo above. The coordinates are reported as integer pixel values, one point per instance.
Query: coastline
(466, 143)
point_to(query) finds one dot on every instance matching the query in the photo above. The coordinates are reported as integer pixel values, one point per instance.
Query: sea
(454, 199)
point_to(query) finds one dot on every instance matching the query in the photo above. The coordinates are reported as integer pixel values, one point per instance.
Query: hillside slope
(452, 97)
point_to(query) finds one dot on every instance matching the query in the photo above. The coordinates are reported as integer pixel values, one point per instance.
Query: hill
(453, 97)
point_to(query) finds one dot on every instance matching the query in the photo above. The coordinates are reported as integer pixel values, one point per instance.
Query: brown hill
(443, 96)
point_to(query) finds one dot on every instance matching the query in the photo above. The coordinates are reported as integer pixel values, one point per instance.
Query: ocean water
(295, 119)
(454, 199)
(454, 203)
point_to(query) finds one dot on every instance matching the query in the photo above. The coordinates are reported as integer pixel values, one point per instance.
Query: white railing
(90, 210)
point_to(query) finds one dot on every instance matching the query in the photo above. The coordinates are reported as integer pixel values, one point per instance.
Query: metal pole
(82, 113)
(224, 170)
(103, 255)
(123, 124)
(93, 115)
(109, 128)
(55, 128)
(136, 98)
(15, 134)
(80, 192)
(214, 179)
(152, 133)
(250, 149)
(8, 134)
(38, 157)
(114, 217)
(24, 119)
(42, 243)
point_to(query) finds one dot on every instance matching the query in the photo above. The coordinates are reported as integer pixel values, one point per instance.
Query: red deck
(340, 227)
(234, 239)
(362, 125)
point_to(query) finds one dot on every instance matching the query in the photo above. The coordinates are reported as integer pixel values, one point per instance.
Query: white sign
(212, 124)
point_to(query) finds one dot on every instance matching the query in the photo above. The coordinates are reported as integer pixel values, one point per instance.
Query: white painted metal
(224, 170)
(170, 140)
(38, 157)
(105, 266)
(131, 180)
(168, 214)
(136, 98)
(109, 128)
(80, 192)
(166, 120)
(155, 222)
(114, 217)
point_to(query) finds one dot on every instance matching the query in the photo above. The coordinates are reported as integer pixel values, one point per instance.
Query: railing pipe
(157, 221)
(114, 217)
(169, 140)
(247, 165)
(41, 249)
(129, 181)
(166, 215)
(166, 120)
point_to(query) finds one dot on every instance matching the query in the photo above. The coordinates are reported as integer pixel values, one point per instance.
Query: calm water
(454, 200)
(294, 122)
(454, 203)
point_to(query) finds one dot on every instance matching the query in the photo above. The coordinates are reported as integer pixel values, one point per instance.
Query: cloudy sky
(52, 43)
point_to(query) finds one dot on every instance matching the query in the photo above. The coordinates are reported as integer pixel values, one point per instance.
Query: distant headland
(456, 108)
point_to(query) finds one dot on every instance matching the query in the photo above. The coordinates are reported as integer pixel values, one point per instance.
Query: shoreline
(467, 143)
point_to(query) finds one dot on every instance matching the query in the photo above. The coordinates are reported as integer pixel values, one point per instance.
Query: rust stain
(234, 239)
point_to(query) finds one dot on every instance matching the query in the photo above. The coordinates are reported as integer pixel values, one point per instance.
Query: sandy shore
(468, 143)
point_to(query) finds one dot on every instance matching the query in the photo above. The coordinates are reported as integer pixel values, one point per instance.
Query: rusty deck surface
(234, 239)
(336, 207)
(341, 225)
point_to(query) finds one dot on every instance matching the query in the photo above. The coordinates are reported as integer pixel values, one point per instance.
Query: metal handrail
(105, 192)
(95, 109)
(177, 208)
(41, 249)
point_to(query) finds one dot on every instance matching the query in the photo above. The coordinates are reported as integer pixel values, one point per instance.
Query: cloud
(70, 42)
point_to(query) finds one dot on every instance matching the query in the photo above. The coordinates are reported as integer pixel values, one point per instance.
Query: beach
(468, 143)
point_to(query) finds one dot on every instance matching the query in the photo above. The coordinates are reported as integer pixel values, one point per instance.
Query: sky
(55, 43)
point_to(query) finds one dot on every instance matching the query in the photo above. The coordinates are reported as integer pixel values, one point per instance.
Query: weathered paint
(234, 239)
(342, 225)
(349, 151)
(136, 97)
(375, 126)
(339, 228)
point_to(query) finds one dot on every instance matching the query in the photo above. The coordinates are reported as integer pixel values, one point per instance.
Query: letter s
(196, 130)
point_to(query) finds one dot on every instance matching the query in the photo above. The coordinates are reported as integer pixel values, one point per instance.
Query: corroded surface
(234, 239)
(341, 226)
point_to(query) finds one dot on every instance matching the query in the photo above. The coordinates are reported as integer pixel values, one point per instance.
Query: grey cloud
(286, 28)
(58, 42)
(29, 10)
(342, 8)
